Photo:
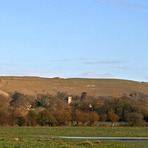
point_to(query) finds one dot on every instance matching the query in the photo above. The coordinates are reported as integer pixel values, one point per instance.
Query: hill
(75, 86)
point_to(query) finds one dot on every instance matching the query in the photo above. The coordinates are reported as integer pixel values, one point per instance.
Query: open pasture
(30, 137)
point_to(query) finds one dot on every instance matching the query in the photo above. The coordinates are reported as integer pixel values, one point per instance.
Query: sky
(74, 38)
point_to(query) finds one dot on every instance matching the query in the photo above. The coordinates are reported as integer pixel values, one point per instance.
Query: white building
(69, 99)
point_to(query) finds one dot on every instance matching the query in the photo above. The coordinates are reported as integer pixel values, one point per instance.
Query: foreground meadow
(30, 137)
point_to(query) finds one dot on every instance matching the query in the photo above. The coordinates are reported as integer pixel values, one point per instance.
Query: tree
(83, 95)
(13, 116)
(4, 114)
(62, 95)
(82, 116)
(125, 107)
(135, 119)
(113, 117)
(114, 104)
(43, 100)
(87, 117)
(93, 117)
(45, 117)
(32, 118)
(103, 117)
(21, 102)
(21, 120)
(4, 117)
(15, 96)
(60, 110)
(85, 105)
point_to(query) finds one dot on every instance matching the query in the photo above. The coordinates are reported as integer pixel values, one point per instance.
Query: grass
(30, 137)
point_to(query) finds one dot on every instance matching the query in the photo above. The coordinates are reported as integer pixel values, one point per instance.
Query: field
(73, 86)
(30, 137)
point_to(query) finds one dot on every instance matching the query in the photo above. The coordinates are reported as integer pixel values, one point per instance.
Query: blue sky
(74, 38)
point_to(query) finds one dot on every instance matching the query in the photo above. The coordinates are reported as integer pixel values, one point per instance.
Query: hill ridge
(94, 87)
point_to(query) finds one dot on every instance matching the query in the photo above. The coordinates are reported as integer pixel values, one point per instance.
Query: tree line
(53, 110)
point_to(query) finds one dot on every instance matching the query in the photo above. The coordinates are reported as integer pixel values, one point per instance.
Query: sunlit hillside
(74, 86)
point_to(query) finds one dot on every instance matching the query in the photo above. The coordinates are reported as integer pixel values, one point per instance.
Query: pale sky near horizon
(74, 38)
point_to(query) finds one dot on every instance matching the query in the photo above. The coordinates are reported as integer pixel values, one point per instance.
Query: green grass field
(31, 137)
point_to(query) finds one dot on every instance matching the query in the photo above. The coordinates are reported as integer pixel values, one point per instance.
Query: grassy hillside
(94, 87)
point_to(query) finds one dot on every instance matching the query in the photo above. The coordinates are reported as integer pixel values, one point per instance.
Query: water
(94, 138)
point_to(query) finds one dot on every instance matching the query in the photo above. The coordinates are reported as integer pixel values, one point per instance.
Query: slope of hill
(4, 93)
(75, 86)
